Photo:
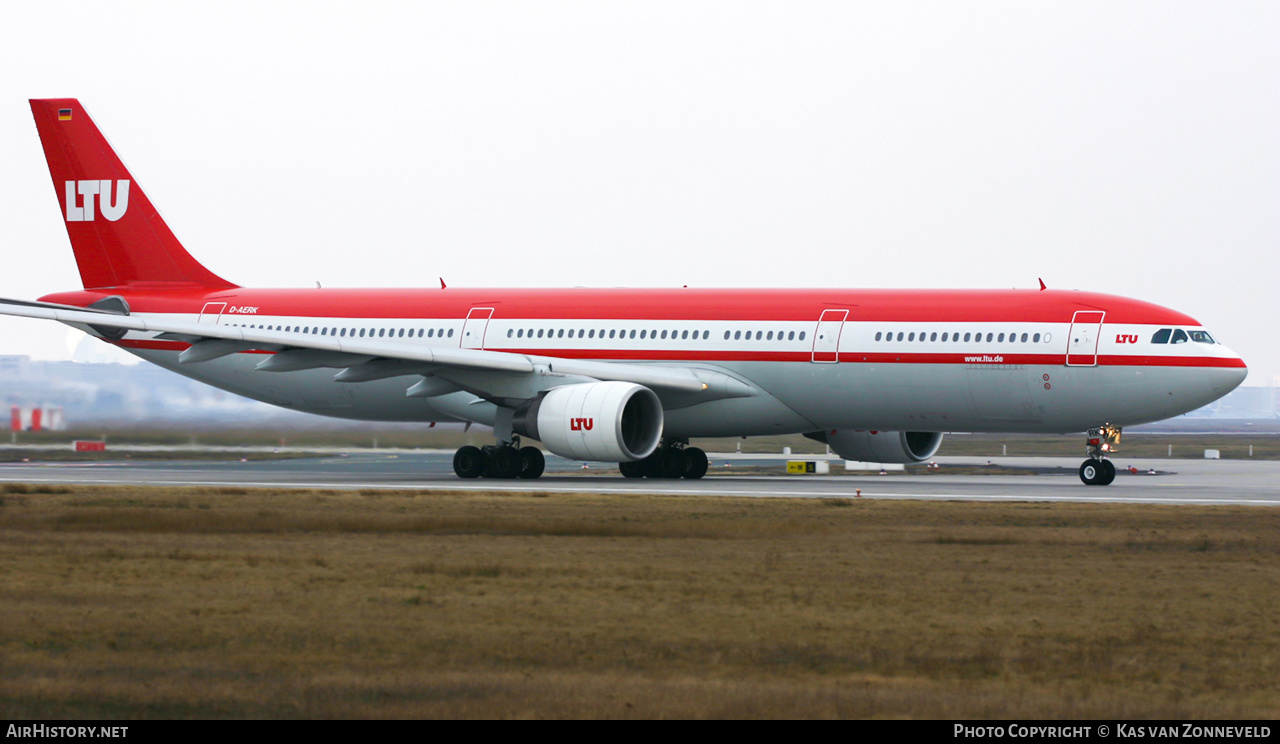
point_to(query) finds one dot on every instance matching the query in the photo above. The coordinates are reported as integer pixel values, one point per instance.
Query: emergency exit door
(474, 328)
(1082, 341)
(826, 337)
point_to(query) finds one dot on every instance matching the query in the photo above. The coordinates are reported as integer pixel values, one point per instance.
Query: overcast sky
(1122, 147)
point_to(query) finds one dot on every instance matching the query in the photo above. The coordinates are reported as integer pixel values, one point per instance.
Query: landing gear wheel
(469, 462)
(532, 463)
(505, 462)
(671, 463)
(1108, 473)
(697, 463)
(1097, 472)
(634, 469)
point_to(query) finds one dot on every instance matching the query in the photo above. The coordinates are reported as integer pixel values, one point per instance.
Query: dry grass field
(131, 603)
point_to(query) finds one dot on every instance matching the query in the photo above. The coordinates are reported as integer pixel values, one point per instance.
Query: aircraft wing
(486, 373)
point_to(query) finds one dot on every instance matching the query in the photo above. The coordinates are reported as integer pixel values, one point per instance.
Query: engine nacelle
(605, 421)
(881, 446)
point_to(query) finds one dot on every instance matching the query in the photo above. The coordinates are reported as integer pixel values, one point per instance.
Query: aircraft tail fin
(118, 237)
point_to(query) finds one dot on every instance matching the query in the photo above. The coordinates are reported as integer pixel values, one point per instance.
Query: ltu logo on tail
(112, 209)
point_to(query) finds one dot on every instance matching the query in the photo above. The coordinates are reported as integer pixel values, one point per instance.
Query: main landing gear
(1102, 442)
(506, 460)
(674, 459)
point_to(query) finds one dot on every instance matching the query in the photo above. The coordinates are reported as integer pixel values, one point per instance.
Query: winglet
(1042, 287)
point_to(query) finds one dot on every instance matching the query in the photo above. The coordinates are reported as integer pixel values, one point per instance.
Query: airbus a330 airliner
(625, 375)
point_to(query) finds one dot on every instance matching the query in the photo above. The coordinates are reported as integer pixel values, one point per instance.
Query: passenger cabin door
(826, 337)
(1082, 341)
(211, 313)
(474, 328)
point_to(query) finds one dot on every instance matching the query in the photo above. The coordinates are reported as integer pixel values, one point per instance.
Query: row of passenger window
(592, 333)
(613, 333)
(999, 338)
(1161, 336)
(655, 334)
(764, 336)
(372, 332)
(1179, 336)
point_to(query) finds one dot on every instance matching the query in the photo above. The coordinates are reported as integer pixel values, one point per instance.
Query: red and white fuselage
(1009, 360)
(608, 373)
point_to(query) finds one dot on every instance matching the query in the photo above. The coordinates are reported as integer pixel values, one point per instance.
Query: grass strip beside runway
(238, 602)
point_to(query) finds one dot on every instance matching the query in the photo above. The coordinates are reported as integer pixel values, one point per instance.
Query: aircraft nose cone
(1241, 372)
(1229, 378)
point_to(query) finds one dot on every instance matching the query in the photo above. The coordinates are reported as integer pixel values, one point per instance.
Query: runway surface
(1176, 482)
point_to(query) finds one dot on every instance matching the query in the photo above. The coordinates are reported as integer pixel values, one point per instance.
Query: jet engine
(605, 421)
(881, 446)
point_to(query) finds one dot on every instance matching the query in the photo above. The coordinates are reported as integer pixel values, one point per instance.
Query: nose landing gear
(1101, 443)
(1097, 472)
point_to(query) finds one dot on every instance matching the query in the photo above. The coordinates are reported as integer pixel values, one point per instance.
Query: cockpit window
(1179, 336)
(1162, 336)
(1201, 337)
